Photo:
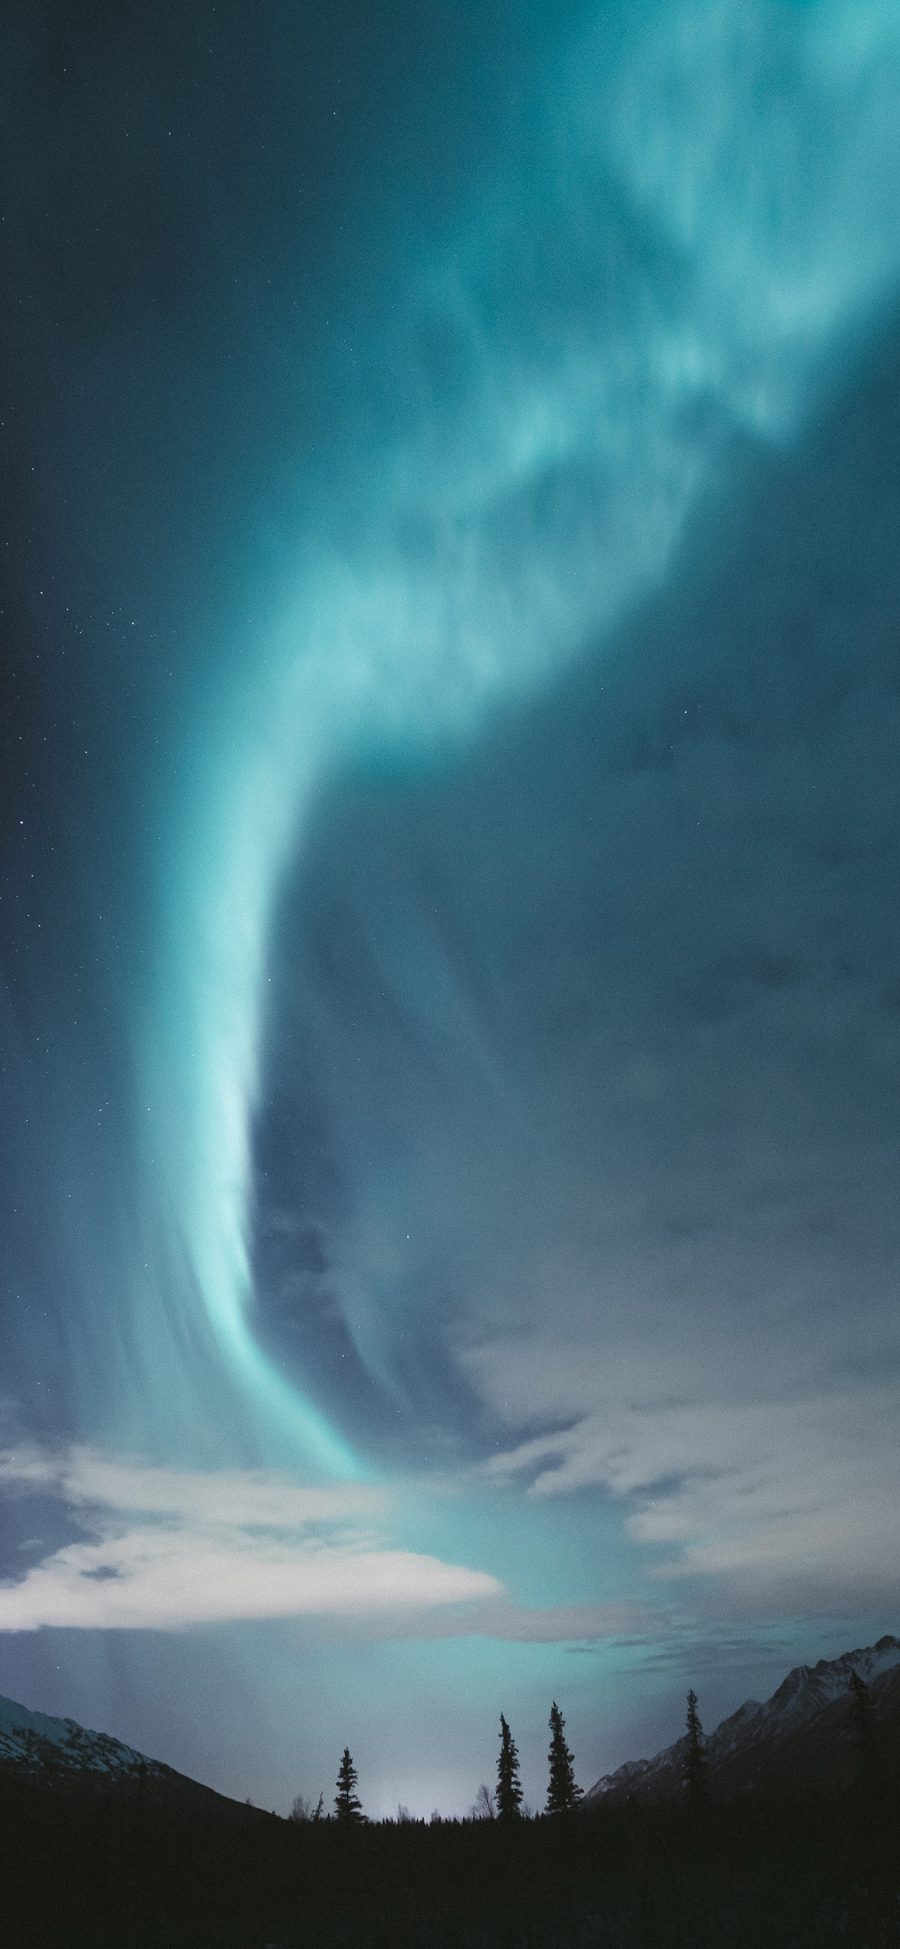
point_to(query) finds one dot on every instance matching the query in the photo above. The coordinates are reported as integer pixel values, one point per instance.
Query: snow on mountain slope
(759, 1741)
(60, 1751)
(63, 1756)
(808, 1688)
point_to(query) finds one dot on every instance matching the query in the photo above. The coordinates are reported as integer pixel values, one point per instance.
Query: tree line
(505, 1802)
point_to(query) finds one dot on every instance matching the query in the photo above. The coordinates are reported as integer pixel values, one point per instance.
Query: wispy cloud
(168, 1549)
(573, 1625)
(88, 1479)
(783, 1500)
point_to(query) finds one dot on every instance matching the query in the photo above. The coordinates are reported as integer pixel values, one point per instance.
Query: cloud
(572, 1625)
(86, 1478)
(779, 1502)
(166, 1550)
(169, 1548)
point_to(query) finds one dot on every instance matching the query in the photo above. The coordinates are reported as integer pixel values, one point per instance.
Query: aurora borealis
(450, 1011)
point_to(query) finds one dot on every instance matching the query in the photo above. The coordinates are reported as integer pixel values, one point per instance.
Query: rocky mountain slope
(805, 1734)
(62, 1755)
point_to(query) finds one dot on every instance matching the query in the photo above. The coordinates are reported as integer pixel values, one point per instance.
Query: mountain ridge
(804, 1730)
(64, 1756)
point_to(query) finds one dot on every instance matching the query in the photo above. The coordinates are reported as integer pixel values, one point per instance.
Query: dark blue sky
(450, 1017)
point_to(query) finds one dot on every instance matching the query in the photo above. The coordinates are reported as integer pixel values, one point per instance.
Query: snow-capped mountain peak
(40, 1747)
(809, 1688)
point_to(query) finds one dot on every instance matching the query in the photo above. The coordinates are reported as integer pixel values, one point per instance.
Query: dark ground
(97, 1873)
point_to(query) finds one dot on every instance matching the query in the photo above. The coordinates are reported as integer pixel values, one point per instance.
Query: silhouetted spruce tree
(696, 1784)
(509, 1791)
(562, 1792)
(347, 1805)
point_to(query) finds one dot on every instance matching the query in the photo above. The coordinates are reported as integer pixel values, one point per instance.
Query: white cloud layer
(165, 1550)
(779, 1501)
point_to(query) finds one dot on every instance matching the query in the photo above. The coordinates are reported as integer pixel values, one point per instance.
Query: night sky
(449, 920)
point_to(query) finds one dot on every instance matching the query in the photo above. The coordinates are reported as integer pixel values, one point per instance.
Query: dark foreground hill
(805, 1734)
(88, 1872)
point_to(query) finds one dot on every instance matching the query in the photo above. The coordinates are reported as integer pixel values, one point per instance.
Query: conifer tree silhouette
(562, 1792)
(347, 1805)
(696, 1783)
(509, 1791)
